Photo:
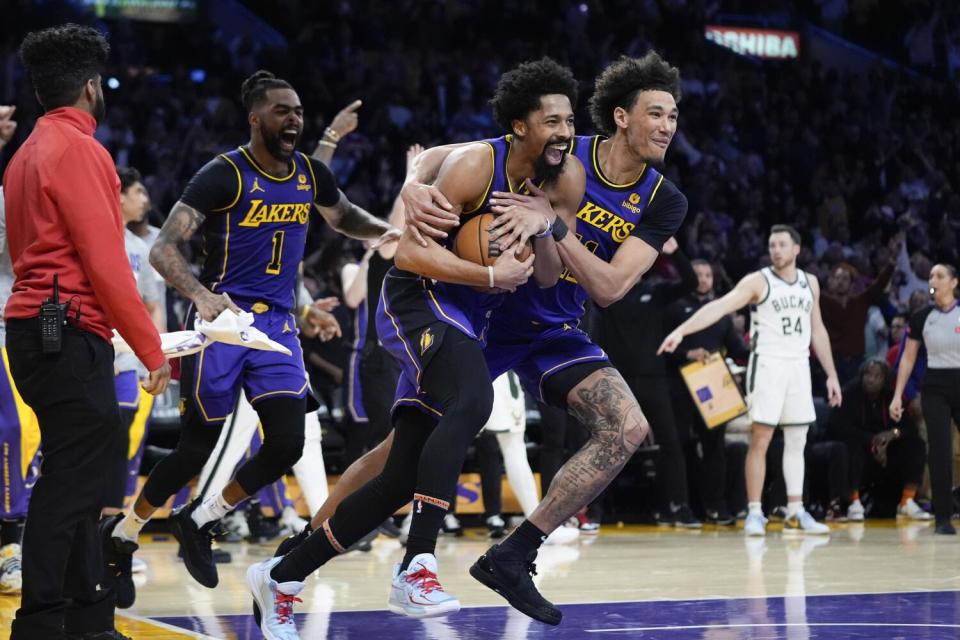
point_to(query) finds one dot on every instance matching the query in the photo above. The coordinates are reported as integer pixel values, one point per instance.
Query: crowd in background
(866, 166)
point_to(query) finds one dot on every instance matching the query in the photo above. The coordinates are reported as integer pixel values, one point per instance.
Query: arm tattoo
(354, 221)
(166, 257)
(617, 427)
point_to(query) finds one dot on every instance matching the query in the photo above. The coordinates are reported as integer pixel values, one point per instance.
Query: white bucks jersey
(781, 321)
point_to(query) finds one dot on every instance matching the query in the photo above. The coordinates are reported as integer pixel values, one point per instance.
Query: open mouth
(288, 139)
(554, 152)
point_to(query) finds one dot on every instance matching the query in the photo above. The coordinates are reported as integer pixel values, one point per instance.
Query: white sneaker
(451, 525)
(563, 535)
(275, 601)
(804, 522)
(11, 574)
(755, 525)
(235, 523)
(417, 593)
(913, 511)
(855, 511)
(291, 523)
(138, 566)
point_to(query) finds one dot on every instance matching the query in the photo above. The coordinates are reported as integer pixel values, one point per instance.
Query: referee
(63, 220)
(938, 329)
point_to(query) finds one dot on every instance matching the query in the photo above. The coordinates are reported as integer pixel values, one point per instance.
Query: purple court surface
(931, 615)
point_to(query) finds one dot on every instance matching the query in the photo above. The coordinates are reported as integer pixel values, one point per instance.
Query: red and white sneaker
(275, 601)
(586, 526)
(417, 593)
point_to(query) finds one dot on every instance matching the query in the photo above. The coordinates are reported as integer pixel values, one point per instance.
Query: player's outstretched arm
(170, 263)
(355, 221)
(342, 125)
(821, 346)
(749, 290)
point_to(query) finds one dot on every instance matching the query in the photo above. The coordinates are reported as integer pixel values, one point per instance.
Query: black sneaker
(721, 518)
(945, 527)
(195, 543)
(510, 574)
(683, 518)
(117, 562)
(262, 529)
(112, 634)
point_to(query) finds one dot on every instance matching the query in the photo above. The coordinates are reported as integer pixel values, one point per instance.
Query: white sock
(794, 441)
(211, 509)
(518, 470)
(794, 509)
(755, 508)
(129, 528)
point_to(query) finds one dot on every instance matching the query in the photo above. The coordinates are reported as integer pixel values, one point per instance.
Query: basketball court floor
(875, 581)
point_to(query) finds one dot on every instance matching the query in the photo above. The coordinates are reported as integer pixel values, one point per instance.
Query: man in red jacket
(63, 219)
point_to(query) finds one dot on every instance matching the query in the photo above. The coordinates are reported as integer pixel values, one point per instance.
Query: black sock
(11, 532)
(306, 558)
(427, 519)
(525, 539)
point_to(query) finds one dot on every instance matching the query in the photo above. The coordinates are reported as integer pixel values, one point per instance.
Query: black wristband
(559, 231)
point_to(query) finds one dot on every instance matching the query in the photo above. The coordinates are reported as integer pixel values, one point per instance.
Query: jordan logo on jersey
(256, 186)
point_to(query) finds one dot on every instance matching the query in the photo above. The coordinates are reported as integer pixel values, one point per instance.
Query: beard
(99, 108)
(546, 172)
(271, 140)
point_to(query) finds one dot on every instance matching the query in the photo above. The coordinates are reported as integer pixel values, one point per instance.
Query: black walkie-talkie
(53, 316)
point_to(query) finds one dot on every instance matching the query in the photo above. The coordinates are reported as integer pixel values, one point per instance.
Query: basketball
(473, 244)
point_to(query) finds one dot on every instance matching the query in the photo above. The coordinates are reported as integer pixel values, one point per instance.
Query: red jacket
(63, 216)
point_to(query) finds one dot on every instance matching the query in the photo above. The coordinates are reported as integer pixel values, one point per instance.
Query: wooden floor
(621, 565)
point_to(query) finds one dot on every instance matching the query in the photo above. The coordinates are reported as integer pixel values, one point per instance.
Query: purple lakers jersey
(466, 301)
(607, 216)
(255, 245)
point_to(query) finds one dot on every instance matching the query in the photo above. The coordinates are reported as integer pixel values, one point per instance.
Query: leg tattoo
(603, 404)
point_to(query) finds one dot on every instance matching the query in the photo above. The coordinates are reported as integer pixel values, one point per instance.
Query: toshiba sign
(762, 43)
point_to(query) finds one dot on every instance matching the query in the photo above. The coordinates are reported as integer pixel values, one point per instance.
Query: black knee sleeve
(282, 420)
(197, 441)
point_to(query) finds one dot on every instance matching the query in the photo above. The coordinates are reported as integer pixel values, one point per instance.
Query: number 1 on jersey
(273, 267)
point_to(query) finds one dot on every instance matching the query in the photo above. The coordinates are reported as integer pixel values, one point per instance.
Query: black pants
(653, 396)
(940, 399)
(711, 469)
(74, 398)
(826, 471)
(906, 458)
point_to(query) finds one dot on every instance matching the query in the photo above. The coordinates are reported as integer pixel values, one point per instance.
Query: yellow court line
(144, 628)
